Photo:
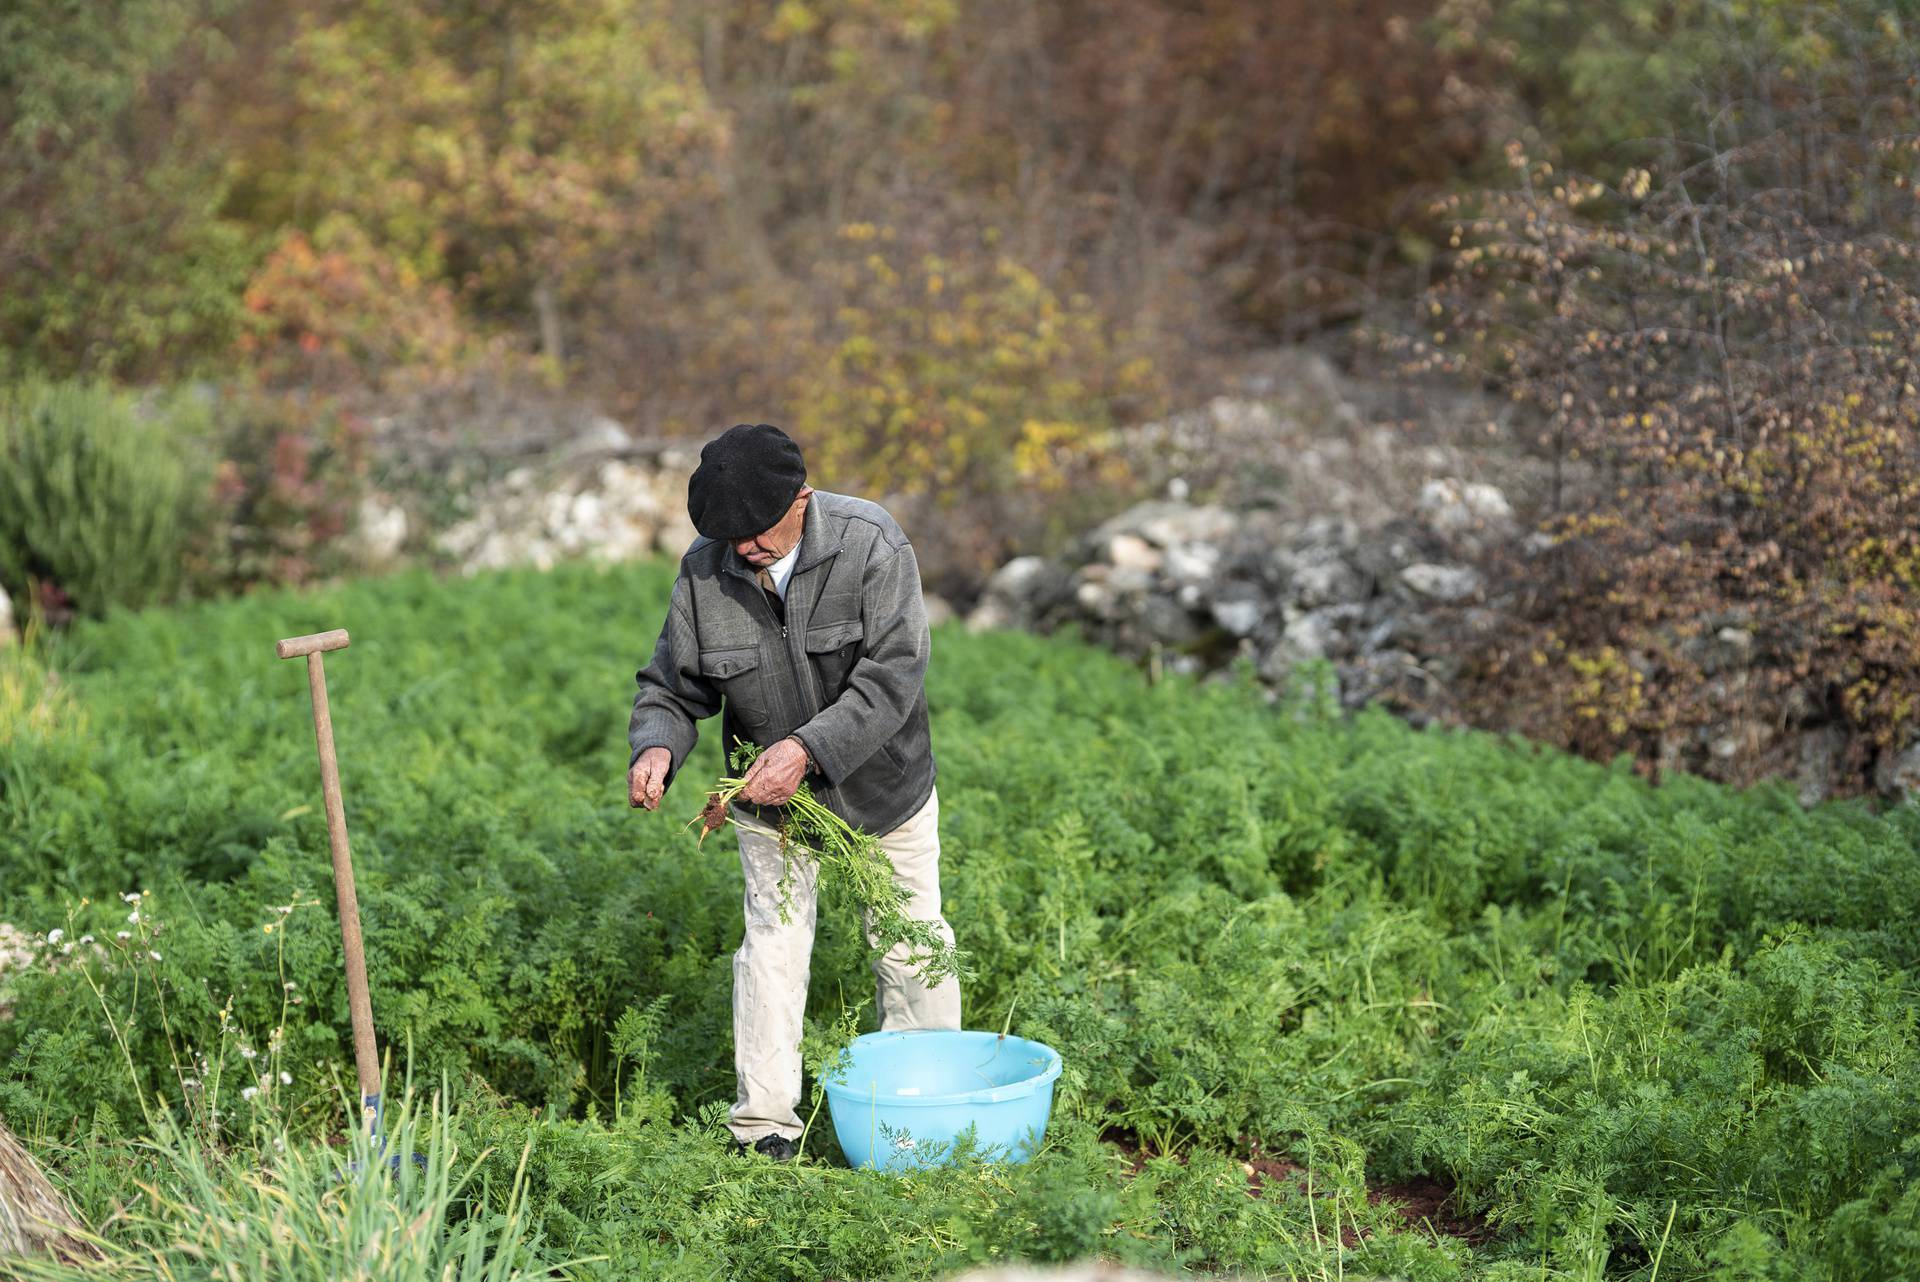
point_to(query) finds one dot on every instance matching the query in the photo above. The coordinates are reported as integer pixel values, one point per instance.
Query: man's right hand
(648, 778)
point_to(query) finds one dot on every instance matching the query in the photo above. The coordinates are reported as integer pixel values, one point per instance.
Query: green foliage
(1621, 1022)
(113, 245)
(97, 498)
(850, 856)
(1613, 76)
(289, 1209)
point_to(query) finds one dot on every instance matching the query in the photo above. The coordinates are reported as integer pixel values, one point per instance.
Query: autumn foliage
(1719, 350)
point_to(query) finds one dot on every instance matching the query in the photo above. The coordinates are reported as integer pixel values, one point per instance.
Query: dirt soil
(1420, 1202)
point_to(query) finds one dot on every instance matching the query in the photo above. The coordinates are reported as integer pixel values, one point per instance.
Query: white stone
(380, 528)
(1898, 773)
(1441, 582)
(1238, 617)
(1176, 523)
(1455, 508)
(1131, 552)
(1191, 563)
(601, 434)
(1321, 576)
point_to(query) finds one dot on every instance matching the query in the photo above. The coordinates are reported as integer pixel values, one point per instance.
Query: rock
(1131, 552)
(1238, 610)
(1320, 575)
(939, 609)
(1095, 598)
(1470, 512)
(1817, 763)
(1330, 531)
(601, 434)
(1392, 677)
(1441, 582)
(1898, 774)
(1129, 581)
(1166, 524)
(1314, 634)
(379, 530)
(1016, 594)
(1191, 563)
(1167, 623)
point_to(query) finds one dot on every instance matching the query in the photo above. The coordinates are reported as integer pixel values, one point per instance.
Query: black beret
(747, 478)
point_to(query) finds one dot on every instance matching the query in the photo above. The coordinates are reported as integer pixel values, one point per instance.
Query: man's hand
(648, 778)
(776, 773)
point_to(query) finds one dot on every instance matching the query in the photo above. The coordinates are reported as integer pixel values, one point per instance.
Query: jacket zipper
(803, 680)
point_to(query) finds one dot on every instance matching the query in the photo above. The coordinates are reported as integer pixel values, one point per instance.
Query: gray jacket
(845, 674)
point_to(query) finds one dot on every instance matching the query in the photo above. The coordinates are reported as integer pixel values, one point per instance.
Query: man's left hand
(775, 774)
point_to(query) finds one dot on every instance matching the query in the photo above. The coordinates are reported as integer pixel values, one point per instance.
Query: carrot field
(1337, 998)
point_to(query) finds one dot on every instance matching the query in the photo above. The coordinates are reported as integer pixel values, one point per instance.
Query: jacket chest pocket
(833, 649)
(737, 674)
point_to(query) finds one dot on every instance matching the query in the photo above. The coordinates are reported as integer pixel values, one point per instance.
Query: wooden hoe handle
(294, 647)
(359, 1006)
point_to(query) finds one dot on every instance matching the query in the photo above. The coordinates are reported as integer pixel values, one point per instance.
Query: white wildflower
(131, 897)
(286, 1078)
(86, 939)
(134, 915)
(246, 1052)
(249, 1092)
(54, 936)
(152, 954)
(123, 934)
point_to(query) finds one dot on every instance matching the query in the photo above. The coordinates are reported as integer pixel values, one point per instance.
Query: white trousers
(771, 965)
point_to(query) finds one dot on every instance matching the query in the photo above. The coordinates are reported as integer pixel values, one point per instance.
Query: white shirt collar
(782, 569)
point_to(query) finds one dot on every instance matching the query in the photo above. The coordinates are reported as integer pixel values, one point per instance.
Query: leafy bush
(965, 380)
(97, 499)
(292, 469)
(1719, 353)
(1621, 1023)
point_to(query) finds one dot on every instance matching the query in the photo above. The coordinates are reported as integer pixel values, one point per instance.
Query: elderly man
(799, 613)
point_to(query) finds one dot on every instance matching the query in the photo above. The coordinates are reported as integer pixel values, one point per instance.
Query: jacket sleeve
(672, 694)
(886, 683)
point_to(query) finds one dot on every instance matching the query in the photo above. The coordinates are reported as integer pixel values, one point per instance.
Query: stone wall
(1197, 587)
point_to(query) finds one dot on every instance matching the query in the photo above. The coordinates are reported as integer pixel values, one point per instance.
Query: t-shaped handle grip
(318, 642)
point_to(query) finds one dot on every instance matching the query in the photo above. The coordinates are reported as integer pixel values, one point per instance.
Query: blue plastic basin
(901, 1099)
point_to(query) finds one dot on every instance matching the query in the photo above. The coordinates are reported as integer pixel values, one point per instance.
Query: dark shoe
(776, 1146)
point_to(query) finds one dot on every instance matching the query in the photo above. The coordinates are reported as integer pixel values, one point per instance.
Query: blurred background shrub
(98, 499)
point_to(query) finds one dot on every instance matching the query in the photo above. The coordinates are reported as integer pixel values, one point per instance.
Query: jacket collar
(819, 541)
